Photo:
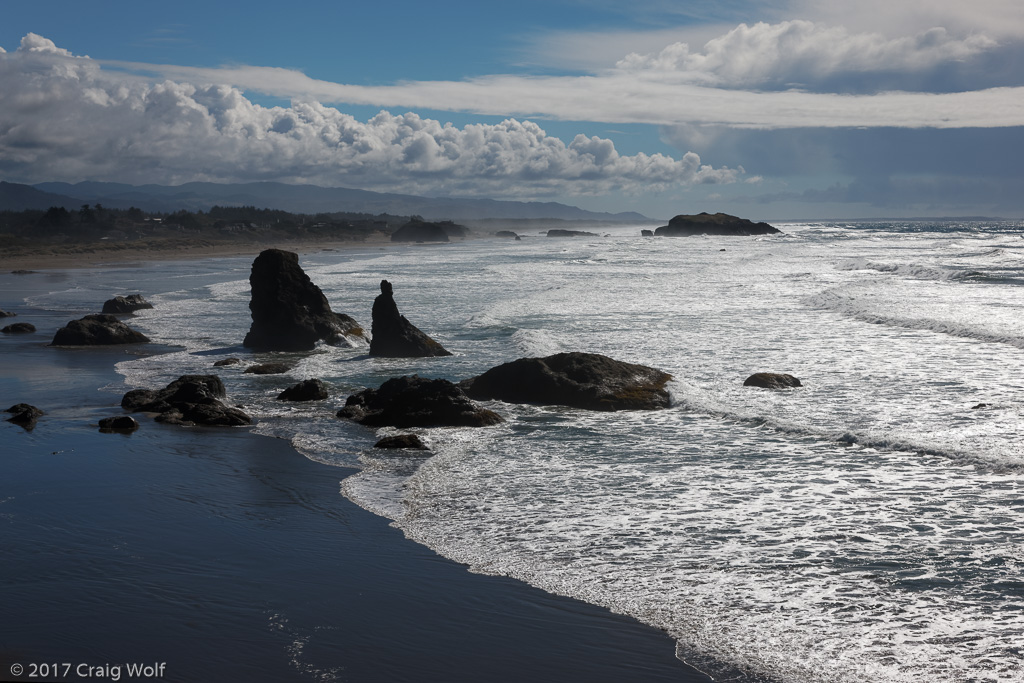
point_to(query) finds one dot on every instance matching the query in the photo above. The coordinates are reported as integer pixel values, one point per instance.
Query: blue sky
(768, 109)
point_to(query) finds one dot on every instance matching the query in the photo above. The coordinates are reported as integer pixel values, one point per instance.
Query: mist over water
(867, 526)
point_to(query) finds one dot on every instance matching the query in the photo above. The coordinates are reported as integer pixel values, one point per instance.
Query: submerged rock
(393, 336)
(188, 400)
(771, 380)
(95, 330)
(227, 361)
(579, 380)
(289, 312)
(123, 305)
(413, 401)
(713, 224)
(24, 415)
(268, 369)
(306, 390)
(19, 328)
(407, 441)
(121, 423)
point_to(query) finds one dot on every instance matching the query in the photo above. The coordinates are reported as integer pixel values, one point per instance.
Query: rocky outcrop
(413, 401)
(393, 336)
(558, 232)
(124, 305)
(306, 390)
(121, 423)
(713, 224)
(422, 231)
(508, 234)
(97, 329)
(772, 380)
(579, 380)
(24, 415)
(405, 441)
(188, 400)
(289, 312)
(19, 328)
(7, 314)
(227, 361)
(268, 369)
(647, 233)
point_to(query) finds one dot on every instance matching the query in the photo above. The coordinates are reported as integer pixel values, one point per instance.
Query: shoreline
(228, 555)
(94, 256)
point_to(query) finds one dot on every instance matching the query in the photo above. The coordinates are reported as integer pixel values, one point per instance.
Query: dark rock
(771, 380)
(19, 328)
(268, 369)
(121, 423)
(981, 406)
(507, 233)
(647, 233)
(7, 314)
(227, 361)
(558, 232)
(188, 400)
(410, 441)
(417, 230)
(713, 224)
(123, 305)
(392, 336)
(24, 415)
(579, 380)
(97, 329)
(22, 271)
(289, 312)
(412, 401)
(306, 390)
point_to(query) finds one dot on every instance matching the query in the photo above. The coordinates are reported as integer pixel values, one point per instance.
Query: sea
(866, 526)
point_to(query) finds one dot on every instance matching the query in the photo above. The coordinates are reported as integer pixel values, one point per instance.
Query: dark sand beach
(225, 555)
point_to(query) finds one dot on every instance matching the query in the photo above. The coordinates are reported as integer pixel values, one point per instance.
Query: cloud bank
(65, 117)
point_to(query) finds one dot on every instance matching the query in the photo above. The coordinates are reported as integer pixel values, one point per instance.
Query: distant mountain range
(308, 199)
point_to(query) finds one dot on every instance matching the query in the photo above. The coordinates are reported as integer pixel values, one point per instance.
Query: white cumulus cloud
(65, 117)
(803, 53)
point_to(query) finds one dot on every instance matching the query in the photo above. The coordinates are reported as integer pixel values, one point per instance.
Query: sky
(765, 109)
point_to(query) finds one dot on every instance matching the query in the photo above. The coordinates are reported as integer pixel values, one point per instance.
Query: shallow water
(867, 526)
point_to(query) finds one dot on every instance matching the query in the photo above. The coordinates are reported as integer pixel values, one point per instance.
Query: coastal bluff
(714, 224)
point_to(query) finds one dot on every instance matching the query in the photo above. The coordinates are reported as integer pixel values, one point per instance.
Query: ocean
(867, 526)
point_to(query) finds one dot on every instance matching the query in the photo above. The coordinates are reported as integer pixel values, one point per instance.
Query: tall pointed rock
(395, 337)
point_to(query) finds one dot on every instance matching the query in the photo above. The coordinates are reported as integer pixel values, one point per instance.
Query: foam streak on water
(867, 526)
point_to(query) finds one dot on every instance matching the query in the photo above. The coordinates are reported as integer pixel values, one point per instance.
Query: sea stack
(713, 224)
(289, 312)
(392, 336)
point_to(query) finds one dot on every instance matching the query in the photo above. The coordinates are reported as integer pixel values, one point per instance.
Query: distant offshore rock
(413, 401)
(713, 224)
(393, 336)
(123, 305)
(19, 328)
(508, 234)
(419, 230)
(97, 329)
(289, 312)
(7, 314)
(559, 232)
(188, 400)
(772, 380)
(580, 380)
